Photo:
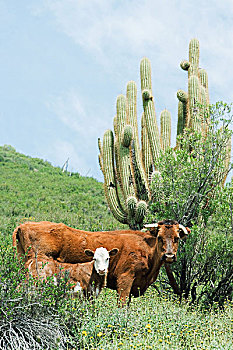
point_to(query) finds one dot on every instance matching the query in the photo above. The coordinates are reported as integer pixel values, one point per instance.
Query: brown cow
(131, 271)
(89, 277)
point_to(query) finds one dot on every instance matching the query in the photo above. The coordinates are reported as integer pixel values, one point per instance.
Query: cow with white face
(100, 262)
(89, 278)
(101, 259)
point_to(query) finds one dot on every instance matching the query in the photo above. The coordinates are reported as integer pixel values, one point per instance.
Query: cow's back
(67, 245)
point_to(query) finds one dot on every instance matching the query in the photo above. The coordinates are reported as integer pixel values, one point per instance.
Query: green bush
(189, 189)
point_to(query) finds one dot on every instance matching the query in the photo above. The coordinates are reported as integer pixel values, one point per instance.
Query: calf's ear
(153, 228)
(113, 251)
(89, 252)
(184, 231)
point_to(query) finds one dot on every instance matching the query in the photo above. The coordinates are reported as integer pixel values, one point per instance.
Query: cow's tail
(14, 237)
(17, 246)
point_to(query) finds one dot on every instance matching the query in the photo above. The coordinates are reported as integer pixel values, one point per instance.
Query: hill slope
(32, 189)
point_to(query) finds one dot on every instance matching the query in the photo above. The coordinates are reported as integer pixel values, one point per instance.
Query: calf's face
(101, 259)
(168, 233)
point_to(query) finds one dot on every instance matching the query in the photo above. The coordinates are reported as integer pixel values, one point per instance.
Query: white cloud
(119, 33)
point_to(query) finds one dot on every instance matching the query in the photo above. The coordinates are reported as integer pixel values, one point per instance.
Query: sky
(64, 62)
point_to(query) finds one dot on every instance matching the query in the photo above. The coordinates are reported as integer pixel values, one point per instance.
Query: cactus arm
(165, 133)
(146, 152)
(141, 209)
(204, 82)
(127, 135)
(149, 109)
(131, 94)
(110, 186)
(100, 147)
(180, 123)
(183, 97)
(193, 57)
(124, 153)
(141, 185)
(115, 126)
(101, 163)
(139, 175)
(194, 100)
(117, 166)
(100, 157)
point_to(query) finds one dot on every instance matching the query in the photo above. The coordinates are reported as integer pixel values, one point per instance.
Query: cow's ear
(113, 251)
(89, 252)
(153, 228)
(184, 231)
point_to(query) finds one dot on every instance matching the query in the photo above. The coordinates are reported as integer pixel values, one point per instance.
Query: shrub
(189, 189)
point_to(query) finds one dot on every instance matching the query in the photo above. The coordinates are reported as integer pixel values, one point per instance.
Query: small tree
(187, 186)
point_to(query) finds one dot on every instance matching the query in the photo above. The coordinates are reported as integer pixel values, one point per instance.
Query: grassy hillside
(32, 189)
(45, 317)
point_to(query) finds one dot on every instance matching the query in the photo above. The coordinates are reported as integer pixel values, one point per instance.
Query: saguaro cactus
(129, 168)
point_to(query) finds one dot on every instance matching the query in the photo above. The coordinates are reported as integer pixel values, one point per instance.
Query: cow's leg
(172, 280)
(124, 285)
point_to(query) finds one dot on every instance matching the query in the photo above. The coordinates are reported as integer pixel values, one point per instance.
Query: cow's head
(101, 258)
(168, 233)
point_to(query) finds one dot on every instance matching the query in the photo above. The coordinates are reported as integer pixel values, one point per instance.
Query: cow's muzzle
(102, 272)
(169, 258)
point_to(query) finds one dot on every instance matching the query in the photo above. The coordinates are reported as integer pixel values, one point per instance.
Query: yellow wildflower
(84, 333)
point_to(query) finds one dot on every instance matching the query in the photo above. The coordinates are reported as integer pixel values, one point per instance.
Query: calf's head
(168, 234)
(101, 258)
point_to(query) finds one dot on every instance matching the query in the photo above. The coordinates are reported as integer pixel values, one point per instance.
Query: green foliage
(189, 190)
(191, 175)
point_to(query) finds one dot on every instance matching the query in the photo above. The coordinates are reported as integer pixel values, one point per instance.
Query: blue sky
(63, 63)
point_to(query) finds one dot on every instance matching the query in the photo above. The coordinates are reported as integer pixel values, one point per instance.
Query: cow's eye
(176, 239)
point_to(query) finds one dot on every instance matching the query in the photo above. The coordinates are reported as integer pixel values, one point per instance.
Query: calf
(89, 277)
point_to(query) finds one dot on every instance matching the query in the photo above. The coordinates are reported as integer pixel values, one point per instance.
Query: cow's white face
(101, 259)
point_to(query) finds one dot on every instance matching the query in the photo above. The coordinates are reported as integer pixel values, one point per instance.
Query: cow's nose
(102, 272)
(169, 257)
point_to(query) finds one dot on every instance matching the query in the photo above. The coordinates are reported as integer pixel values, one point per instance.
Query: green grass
(32, 189)
(154, 322)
